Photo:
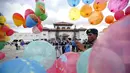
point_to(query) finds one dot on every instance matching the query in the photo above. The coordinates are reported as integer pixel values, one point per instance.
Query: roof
(64, 30)
(62, 24)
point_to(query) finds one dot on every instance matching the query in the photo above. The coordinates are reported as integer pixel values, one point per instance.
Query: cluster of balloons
(32, 19)
(5, 31)
(96, 17)
(118, 15)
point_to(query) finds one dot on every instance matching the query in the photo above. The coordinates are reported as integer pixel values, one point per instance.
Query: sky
(57, 11)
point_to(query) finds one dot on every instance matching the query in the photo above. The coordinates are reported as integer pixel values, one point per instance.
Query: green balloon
(43, 17)
(2, 44)
(38, 12)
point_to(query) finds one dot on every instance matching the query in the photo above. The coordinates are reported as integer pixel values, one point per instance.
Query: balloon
(86, 11)
(82, 64)
(2, 44)
(24, 24)
(127, 11)
(41, 51)
(43, 17)
(35, 30)
(99, 6)
(95, 18)
(87, 1)
(18, 19)
(101, 1)
(109, 19)
(2, 55)
(31, 20)
(117, 5)
(74, 14)
(67, 63)
(9, 32)
(73, 3)
(40, 27)
(21, 66)
(2, 20)
(7, 25)
(28, 12)
(105, 61)
(2, 35)
(119, 14)
(40, 8)
(53, 68)
(113, 46)
(5, 28)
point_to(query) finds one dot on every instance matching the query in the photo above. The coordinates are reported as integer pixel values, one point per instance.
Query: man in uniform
(92, 36)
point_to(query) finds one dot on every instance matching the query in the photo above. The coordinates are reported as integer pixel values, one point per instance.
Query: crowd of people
(67, 45)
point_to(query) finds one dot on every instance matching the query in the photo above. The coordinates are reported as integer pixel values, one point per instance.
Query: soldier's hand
(80, 46)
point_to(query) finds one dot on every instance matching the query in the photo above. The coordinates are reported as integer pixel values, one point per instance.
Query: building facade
(60, 31)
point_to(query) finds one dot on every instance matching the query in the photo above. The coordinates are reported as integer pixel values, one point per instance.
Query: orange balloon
(18, 19)
(86, 11)
(2, 35)
(95, 18)
(99, 6)
(109, 19)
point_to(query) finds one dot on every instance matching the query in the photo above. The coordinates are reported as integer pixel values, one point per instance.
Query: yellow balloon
(95, 18)
(99, 6)
(74, 14)
(86, 11)
(2, 19)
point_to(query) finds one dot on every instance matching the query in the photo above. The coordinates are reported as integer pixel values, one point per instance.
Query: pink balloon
(117, 5)
(40, 27)
(35, 30)
(10, 32)
(53, 68)
(2, 55)
(101, 1)
(67, 63)
(116, 40)
(27, 12)
(119, 14)
(127, 11)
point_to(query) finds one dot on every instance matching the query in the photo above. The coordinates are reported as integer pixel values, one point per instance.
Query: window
(58, 27)
(44, 34)
(68, 27)
(63, 27)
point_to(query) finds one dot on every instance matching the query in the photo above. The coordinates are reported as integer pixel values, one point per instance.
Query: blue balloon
(42, 52)
(30, 22)
(82, 64)
(87, 1)
(73, 3)
(21, 66)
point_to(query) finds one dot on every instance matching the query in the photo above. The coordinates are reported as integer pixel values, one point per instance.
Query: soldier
(92, 36)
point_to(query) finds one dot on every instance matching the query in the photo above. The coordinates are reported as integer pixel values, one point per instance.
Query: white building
(61, 29)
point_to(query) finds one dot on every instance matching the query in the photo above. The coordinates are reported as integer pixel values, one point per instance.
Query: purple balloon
(117, 5)
(116, 41)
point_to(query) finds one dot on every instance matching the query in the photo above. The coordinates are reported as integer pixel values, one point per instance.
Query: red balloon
(2, 55)
(119, 14)
(53, 68)
(28, 11)
(5, 28)
(10, 32)
(40, 27)
(67, 63)
(127, 11)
